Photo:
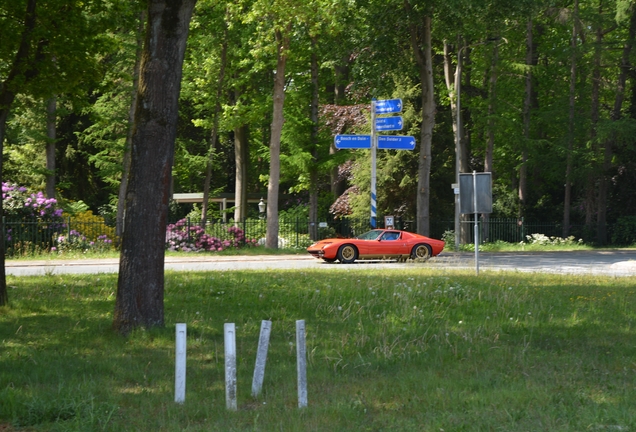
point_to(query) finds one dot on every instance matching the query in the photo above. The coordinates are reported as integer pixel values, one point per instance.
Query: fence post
(244, 230)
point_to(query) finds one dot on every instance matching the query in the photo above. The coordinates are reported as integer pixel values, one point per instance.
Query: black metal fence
(24, 237)
(513, 230)
(34, 236)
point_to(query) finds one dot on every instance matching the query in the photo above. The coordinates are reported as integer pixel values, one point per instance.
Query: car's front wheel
(421, 252)
(347, 254)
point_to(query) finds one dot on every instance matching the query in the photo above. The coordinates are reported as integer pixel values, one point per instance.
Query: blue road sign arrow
(387, 106)
(396, 142)
(352, 141)
(388, 123)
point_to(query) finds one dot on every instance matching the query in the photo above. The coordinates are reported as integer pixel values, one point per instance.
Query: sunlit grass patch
(418, 349)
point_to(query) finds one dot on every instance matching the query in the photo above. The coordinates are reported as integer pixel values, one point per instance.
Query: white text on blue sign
(388, 123)
(352, 141)
(387, 106)
(396, 142)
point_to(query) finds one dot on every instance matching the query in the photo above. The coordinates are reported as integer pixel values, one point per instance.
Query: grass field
(415, 350)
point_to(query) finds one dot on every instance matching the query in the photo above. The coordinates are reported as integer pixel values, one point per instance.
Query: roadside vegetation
(421, 350)
(533, 243)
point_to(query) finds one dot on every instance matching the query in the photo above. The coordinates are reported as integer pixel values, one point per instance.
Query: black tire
(347, 254)
(421, 251)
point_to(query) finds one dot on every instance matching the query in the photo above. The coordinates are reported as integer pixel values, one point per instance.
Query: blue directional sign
(388, 123)
(352, 141)
(396, 142)
(387, 106)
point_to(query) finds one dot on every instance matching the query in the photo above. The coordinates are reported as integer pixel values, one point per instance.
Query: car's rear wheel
(421, 251)
(347, 254)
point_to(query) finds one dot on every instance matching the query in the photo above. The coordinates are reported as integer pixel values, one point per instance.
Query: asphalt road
(606, 262)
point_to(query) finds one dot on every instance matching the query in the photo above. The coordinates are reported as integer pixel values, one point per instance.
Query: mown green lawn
(414, 350)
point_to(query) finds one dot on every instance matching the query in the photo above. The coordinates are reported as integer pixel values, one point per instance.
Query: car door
(389, 244)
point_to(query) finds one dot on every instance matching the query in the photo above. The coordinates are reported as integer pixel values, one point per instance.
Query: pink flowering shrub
(192, 238)
(32, 220)
(18, 203)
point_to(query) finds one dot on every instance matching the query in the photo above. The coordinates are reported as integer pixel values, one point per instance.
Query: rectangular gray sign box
(483, 188)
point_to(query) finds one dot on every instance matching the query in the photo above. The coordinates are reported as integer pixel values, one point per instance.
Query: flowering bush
(18, 203)
(76, 241)
(36, 223)
(92, 226)
(192, 238)
(32, 220)
(544, 240)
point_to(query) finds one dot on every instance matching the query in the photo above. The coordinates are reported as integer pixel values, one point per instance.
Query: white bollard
(261, 358)
(180, 364)
(301, 357)
(229, 331)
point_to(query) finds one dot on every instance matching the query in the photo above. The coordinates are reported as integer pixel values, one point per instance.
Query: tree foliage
(363, 49)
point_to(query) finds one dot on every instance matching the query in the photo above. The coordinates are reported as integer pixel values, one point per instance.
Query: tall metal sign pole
(374, 146)
(375, 141)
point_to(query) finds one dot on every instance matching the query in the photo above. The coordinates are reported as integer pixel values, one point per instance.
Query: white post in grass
(229, 331)
(261, 358)
(180, 364)
(301, 357)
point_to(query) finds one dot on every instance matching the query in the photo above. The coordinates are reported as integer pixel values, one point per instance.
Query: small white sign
(388, 221)
(323, 224)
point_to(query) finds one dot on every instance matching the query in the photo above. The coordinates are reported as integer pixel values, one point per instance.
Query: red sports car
(377, 244)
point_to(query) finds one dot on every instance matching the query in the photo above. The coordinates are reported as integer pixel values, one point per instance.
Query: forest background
(548, 104)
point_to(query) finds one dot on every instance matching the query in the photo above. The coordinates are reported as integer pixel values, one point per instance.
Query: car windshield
(370, 235)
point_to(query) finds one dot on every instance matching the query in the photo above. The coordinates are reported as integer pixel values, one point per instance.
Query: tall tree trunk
(313, 169)
(6, 99)
(590, 187)
(21, 70)
(341, 71)
(568, 167)
(608, 150)
(421, 46)
(121, 207)
(450, 86)
(490, 145)
(140, 287)
(51, 117)
(215, 130)
(241, 158)
(465, 144)
(282, 42)
(451, 82)
(527, 118)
